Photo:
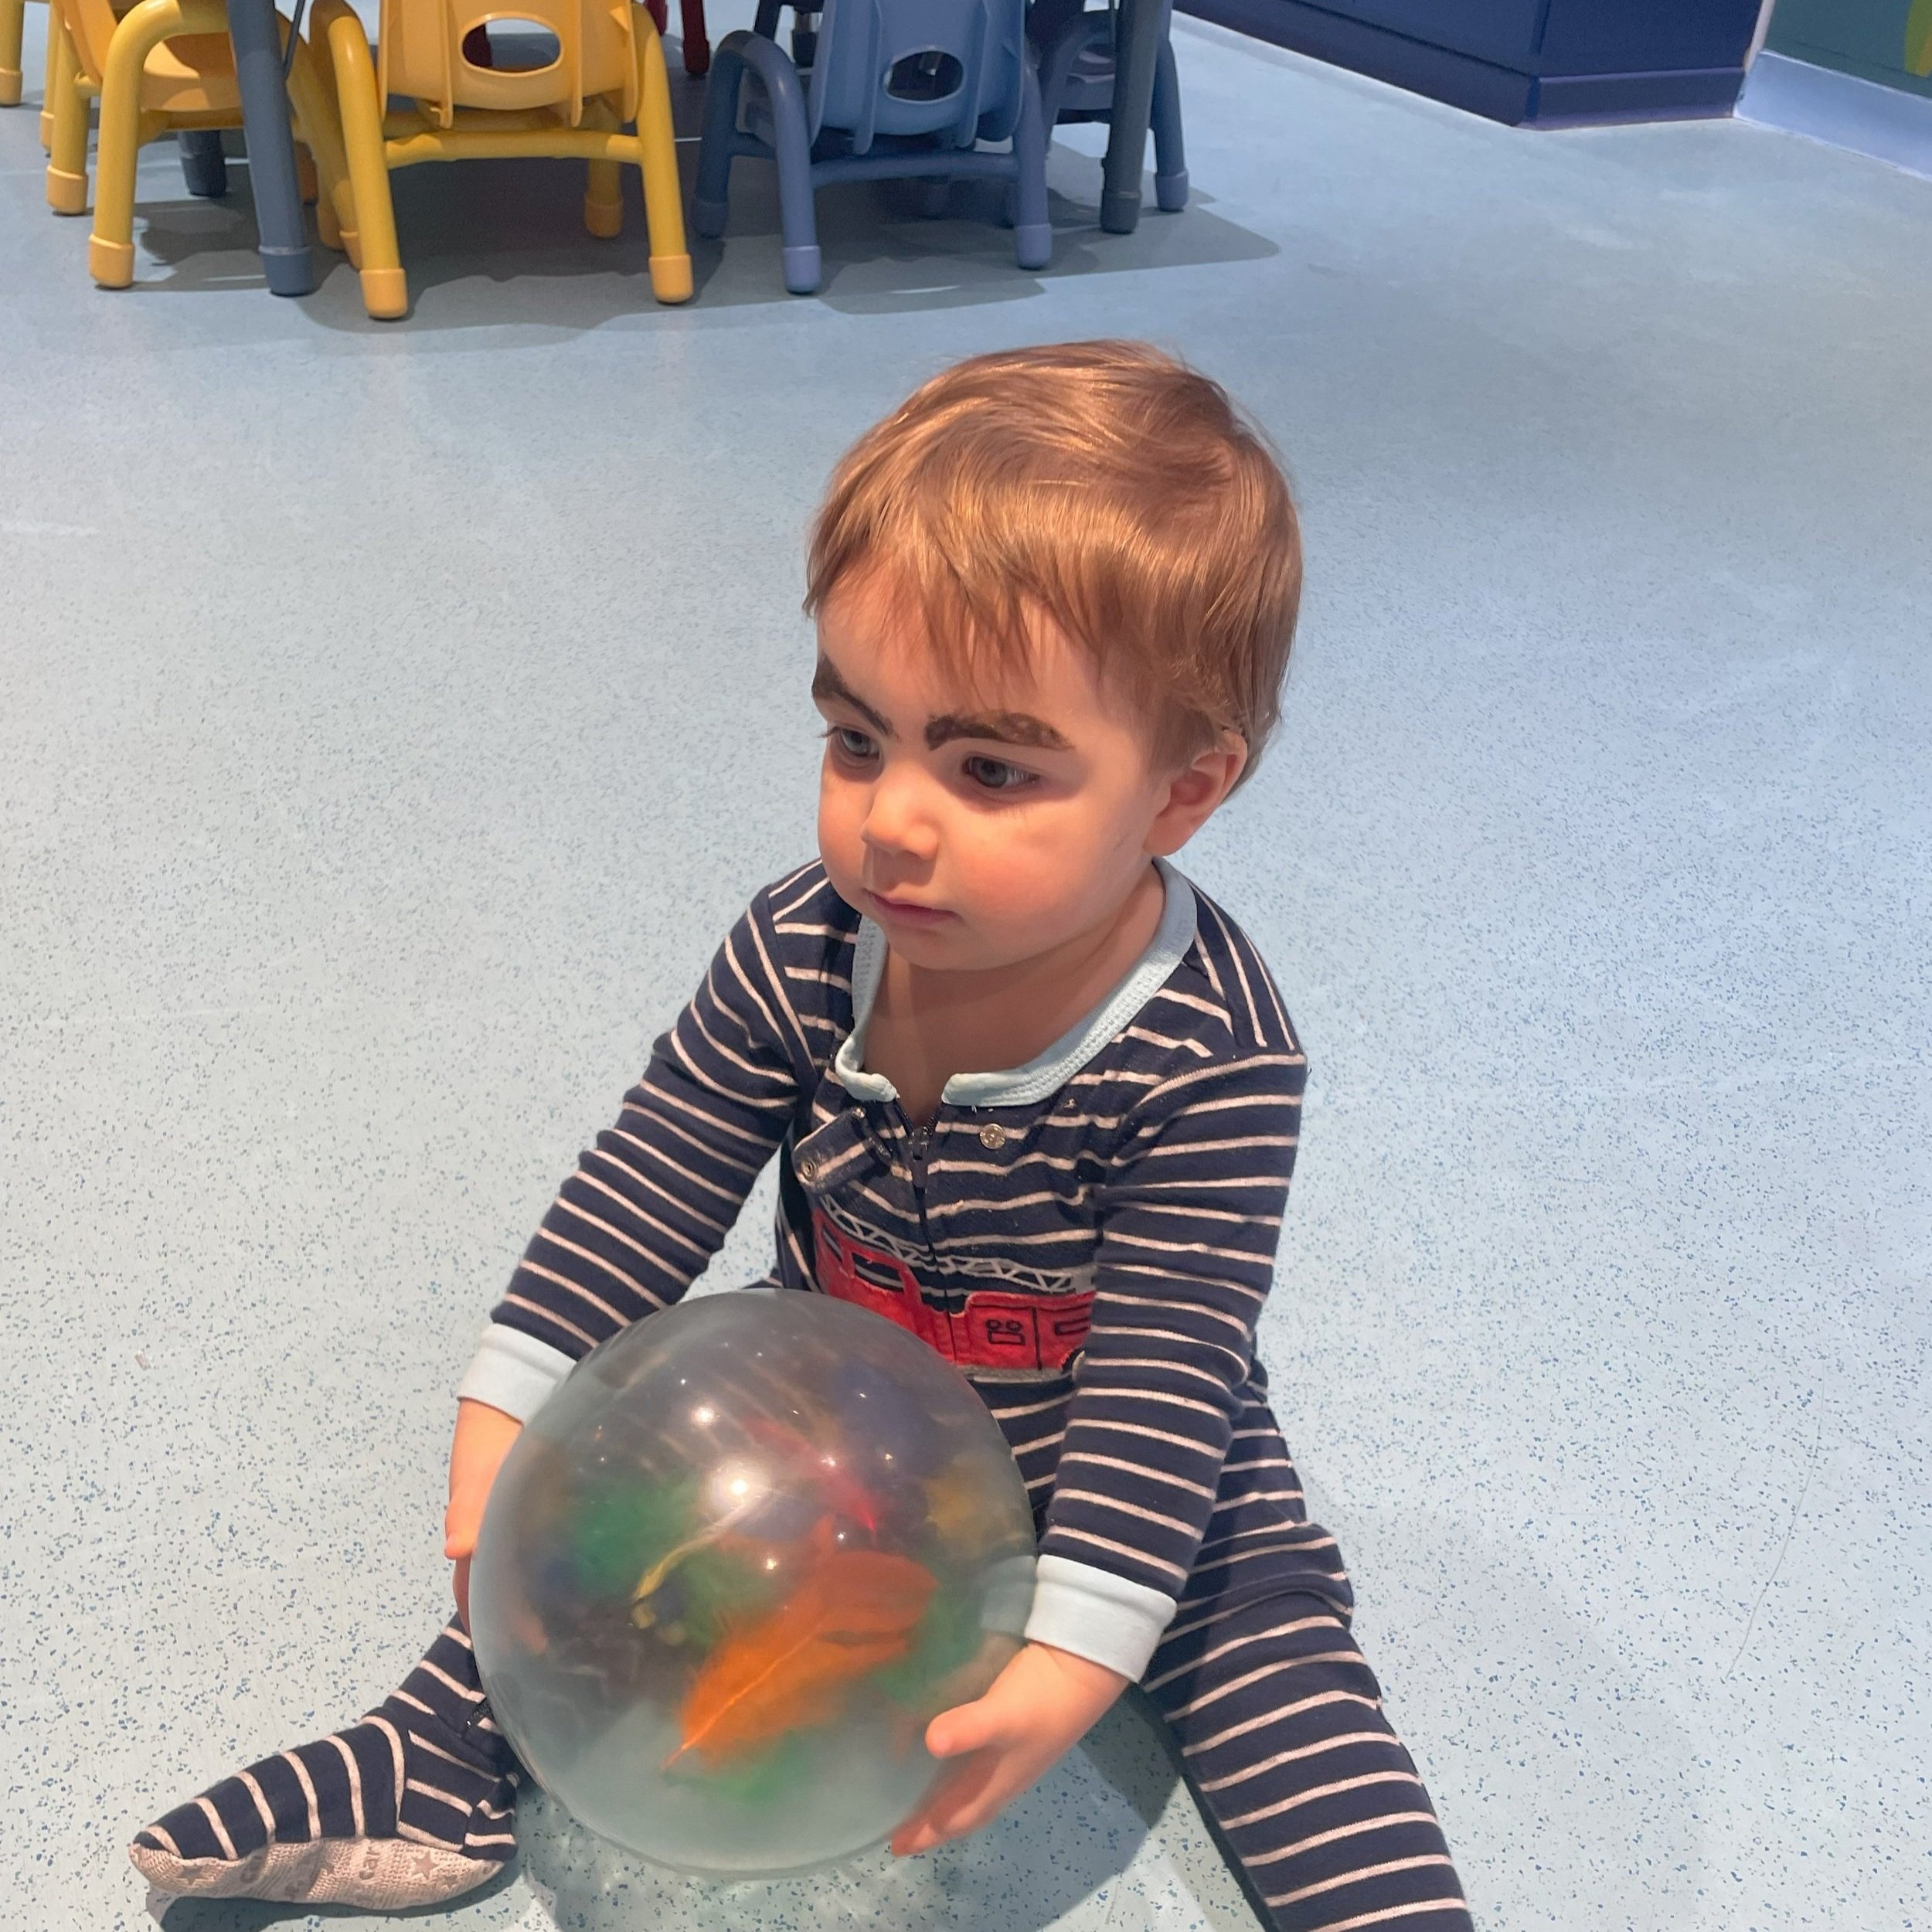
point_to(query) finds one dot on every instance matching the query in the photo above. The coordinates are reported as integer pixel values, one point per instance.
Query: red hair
(1106, 484)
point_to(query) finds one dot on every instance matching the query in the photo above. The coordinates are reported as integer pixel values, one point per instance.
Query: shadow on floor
(512, 231)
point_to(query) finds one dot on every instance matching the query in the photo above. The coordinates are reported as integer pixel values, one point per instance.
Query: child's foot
(412, 1805)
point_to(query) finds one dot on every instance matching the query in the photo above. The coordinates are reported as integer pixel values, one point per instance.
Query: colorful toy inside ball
(732, 1568)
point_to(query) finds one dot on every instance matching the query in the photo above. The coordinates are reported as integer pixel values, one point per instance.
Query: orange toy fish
(853, 1610)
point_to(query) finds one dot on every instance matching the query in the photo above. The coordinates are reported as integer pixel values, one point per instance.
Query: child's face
(980, 828)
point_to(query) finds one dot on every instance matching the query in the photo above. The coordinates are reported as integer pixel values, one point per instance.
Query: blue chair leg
(791, 149)
(202, 166)
(712, 193)
(1032, 233)
(1170, 158)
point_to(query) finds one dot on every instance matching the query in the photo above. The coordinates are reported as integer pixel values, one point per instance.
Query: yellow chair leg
(110, 249)
(67, 154)
(12, 24)
(311, 87)
(602, 199)
(658, 159)
(385, 286)
(56, 37)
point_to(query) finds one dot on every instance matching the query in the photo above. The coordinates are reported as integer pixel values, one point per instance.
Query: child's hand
(483, 1439)
(1039, 1707)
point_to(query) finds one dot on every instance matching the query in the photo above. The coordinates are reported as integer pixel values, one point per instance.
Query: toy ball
(732, 1569)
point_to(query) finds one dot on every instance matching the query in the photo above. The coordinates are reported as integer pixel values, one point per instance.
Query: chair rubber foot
(802, 269)
(697, 60)
(602, 218)
(671, 277)
(1170, 191)
(289, 271)
(386, 293)
(708, 218)
(66, 194)
(9, 86)
(352, 248)
(1033, 244)
(111, 263)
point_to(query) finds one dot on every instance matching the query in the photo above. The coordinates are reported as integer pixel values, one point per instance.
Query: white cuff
(1095, 1614)
(513, 1371)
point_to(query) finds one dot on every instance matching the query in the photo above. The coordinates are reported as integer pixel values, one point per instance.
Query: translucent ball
(733, 1567)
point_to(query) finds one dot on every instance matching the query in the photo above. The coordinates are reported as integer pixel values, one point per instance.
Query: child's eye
(995, 775)
(855, 748)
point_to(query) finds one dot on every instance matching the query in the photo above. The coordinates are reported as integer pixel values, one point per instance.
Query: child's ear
(1195, 794)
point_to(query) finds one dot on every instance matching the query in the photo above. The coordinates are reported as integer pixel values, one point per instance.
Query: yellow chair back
(419, 53)
(90, 26)
(185, 72)
(609, 70)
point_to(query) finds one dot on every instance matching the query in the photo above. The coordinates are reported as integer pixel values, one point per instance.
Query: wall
(1887, 41)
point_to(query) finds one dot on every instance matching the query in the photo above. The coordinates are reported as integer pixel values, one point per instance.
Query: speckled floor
(392, 718)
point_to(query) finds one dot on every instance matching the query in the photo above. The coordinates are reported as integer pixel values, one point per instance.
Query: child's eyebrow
(827, 684)
(1002, 727)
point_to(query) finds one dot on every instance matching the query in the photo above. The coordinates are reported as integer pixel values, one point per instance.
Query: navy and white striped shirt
(1090, 1236)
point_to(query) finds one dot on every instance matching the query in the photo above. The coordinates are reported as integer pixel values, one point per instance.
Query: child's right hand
(483, 1439)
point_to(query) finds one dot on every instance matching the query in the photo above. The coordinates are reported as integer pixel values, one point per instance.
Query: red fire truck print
(994, 1329)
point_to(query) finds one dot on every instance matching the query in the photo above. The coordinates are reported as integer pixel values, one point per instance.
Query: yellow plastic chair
(12, 25)
(163, 67)
(609, 70)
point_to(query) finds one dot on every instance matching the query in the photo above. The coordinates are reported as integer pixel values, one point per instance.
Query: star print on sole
(411, 1806)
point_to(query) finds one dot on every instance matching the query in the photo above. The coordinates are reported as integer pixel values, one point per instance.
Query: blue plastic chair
(1077, 84)
(897, 89)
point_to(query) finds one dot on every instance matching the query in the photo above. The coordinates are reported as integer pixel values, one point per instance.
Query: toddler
(1035, 1098)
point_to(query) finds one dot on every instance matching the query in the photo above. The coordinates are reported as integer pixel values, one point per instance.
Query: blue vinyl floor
(393, 717)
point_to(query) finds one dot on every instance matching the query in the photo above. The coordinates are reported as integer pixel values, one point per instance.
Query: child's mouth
(907, 912)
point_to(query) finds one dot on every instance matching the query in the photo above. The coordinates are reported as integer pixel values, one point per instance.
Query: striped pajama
(413, 1804)
(1277, 1725)
(1090, 1240)
(1314, 1798)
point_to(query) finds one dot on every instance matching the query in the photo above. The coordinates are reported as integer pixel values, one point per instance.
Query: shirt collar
(1049, 1071)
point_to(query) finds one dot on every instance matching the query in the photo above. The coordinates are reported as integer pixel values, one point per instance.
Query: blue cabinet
(1490, 29)
(1548, 62)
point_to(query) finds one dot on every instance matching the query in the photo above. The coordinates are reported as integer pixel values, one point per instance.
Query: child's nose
(897, 821)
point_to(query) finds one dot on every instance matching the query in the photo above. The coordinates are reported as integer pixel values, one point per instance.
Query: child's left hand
(1039, 1707)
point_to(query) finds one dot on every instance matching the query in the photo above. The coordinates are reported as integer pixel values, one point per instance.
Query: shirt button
(808, 1168)
(992, 1136)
